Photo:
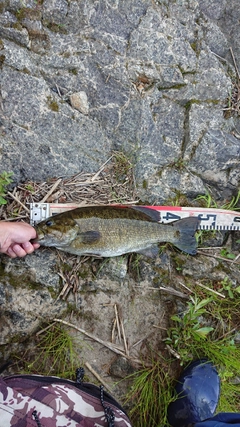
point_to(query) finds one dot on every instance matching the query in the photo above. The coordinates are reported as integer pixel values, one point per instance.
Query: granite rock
(156, 76)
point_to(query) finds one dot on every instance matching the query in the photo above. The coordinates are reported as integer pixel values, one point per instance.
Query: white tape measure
(210, 218)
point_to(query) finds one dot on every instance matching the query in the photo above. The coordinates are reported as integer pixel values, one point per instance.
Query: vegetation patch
(52, 104)
(151, 392)
(204, 329)
(232, 108)
(5, 180)
(53, 352)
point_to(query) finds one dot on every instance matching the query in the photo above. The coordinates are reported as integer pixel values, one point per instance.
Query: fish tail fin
(185, 234)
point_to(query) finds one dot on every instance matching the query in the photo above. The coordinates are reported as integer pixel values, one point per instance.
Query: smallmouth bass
(109, 231)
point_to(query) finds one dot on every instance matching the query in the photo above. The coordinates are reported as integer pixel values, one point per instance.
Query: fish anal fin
(150, 252)
(90, 236)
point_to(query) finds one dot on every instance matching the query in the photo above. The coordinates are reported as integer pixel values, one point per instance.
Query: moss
(190, 102)
(2, 7)
(84, 273)
(194, 46)
(17, 26)
(213, 101)
(179, 199)
(89, 316)
(176, 86)
(52, 104)
(25, 12)
(18, 280)
(26, 70)
(179, 262)
(73, 71)
(179, 164)
(55, 28)
(145, 184)
(66, 268)
(21, 14)
(2, 59)
(66, 54)
(122, 166)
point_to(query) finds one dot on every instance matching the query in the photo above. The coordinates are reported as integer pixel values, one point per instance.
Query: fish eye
(49, 222)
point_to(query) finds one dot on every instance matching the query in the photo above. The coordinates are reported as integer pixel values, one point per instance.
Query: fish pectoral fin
(90, 236)
(150, 252)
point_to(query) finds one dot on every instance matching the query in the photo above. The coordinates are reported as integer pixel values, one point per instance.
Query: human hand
(15, 239)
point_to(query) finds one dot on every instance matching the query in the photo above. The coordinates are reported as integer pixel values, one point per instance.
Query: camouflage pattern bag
(38, 401)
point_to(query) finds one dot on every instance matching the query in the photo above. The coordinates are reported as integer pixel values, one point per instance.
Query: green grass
(54, 353)
(5, 180)
(192, 338)
(150, 394)
(123, 165)
(207, 201)
(204, 329)
(233, 204)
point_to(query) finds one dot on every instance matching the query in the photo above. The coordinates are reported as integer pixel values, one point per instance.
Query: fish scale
(117, 230)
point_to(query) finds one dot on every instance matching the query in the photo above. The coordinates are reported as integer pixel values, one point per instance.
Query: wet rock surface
(81, 79)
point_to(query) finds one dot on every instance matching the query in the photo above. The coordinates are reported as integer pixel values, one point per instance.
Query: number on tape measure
(236, 219)
(171, 216)
(208, 217)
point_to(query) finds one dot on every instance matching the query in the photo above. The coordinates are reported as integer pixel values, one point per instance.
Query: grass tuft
(205, 328)
(150, 394)
(5, 180)
(54, 353)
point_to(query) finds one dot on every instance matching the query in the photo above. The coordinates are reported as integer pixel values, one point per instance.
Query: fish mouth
(38, 239)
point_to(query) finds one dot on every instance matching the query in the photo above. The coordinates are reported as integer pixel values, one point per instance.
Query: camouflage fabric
(35, 401)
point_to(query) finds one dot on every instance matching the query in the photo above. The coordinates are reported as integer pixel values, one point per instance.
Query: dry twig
(201, 251)
(210, 290)
(112, 183)
(99, 378)
(168, 290)
(52, 189)
(106, 344)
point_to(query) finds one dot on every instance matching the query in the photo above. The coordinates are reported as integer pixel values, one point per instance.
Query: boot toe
(198, 391)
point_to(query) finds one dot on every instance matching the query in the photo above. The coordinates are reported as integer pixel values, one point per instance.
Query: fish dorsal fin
(151, 213)
(90, 236)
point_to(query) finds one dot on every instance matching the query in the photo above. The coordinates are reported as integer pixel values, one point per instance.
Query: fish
(109, 231)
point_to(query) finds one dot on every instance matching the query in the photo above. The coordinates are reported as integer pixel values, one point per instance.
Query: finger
(28, 247)
(36, 245)
(11, 253)
(18, 250)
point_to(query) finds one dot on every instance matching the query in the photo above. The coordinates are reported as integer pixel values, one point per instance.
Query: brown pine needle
(18, 201)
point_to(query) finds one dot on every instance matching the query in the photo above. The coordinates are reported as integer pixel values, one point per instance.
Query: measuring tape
(210, 218)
